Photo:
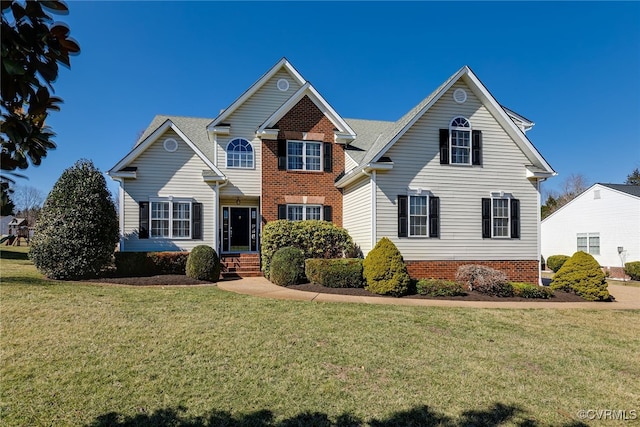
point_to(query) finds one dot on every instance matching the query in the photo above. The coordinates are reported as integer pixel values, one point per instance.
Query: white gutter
(373, 166)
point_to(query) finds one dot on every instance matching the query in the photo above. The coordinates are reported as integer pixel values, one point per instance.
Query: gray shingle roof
(633, 190)
(368, 131)
(194, 128)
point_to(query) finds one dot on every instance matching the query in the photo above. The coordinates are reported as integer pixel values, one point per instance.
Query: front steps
(240, 265)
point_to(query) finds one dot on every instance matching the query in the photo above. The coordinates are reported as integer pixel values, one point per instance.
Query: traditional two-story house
(452, 182)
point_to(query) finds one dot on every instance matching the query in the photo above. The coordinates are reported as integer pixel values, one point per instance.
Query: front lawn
(99, 355)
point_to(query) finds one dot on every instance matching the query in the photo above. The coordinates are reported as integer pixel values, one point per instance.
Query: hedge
(335, 273)
(439, 288)
(632, 269)
(555, 262)
(137, 264)
(287, 266)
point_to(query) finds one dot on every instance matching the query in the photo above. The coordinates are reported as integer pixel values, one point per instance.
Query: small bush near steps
(582, 275)
(527, 290)
(287, 266)
(555, 262)
(203, 264)
(385, 271)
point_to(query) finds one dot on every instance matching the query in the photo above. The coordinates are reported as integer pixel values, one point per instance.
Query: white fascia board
(140, 148)
(268, 134)
(420, 113)
(326, 109)
(255, 87)
(535, 173)
(117, 175)
(357, 173)
(512, 129)
(220, 129)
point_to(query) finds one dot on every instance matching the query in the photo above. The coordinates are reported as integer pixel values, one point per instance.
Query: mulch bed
(182, 280)
(559, 296)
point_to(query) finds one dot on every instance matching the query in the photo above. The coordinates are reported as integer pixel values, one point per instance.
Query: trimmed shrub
(203, 264)
(77, 230)
(582, 275)
(555, 262)
(287, 266)
(632, 269)
(136, 264)
(335, 273)
(316, 239)
(527, 290)
(439, 288)
(484, 279)
(385, 271)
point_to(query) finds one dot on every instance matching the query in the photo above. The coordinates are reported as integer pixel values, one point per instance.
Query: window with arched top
(460, 136)
(239, 154)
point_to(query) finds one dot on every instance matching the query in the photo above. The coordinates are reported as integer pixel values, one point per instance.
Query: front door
(239, 229)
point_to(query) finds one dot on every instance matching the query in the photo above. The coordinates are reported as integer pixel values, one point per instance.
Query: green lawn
(104, 355)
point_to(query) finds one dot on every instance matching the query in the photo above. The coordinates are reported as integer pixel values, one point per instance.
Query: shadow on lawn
(495, 415)
(14, 255)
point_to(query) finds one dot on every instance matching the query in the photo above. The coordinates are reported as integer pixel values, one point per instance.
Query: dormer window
(239, 154)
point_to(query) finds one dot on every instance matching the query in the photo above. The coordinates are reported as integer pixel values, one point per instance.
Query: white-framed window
(239, 154)
(170, 218)
(500, 216)
(589, 243)
(304, 155)
(460, 141)
(418, 216)
(304, 212)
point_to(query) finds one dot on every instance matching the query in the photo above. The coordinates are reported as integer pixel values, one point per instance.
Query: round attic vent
(460, 96)
(170, 145)
(283, 85)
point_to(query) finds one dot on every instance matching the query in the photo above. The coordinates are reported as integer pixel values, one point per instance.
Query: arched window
(460, 137)
(239, 154)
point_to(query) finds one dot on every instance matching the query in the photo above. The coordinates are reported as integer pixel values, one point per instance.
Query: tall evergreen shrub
(385, 271)
(582, 275)
(77, 230)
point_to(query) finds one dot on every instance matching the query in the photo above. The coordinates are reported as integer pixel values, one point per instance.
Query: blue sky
(573, 68)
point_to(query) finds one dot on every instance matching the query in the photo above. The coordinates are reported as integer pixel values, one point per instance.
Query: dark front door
(239, 229)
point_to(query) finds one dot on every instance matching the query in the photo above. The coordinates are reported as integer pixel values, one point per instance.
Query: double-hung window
(170, 219)
(500, 217)
(589, 243)
(304, 155)
(460, 135)
(418, 214)
(304, 212)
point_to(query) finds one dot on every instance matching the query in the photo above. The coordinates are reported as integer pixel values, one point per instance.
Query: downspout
(120, 210)
(374, 202)
(539, 230)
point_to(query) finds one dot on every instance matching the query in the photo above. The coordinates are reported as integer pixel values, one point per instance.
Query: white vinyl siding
(162, 175)
(590, 216)
(244, 121)
(417, 165)
(356, 204)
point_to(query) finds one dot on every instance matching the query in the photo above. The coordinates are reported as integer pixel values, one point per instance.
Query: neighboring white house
(4, 224)
(604, 221)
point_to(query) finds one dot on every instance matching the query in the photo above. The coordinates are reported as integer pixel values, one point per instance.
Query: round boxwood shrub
(203, 264)
(287, 266)
(582, 275)
(76, 233)
(555, 262)
(384, 270)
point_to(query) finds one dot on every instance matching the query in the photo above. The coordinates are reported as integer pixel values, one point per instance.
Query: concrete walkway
(627, 297)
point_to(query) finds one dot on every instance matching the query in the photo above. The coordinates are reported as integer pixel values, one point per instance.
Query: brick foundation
(517, 271)
(616, 273)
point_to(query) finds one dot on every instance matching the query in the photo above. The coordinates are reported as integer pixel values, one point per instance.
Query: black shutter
(143, 227)
(434, 216)
(486, 218)
(196, 222)
(282, 154)
(515, 218)
(282, 211)
(403, 216)
(444, 146)
(328, 157)
(476, 147)
(327, 213)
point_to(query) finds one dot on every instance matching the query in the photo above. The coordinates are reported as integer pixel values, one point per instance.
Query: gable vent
(460, 96)
(283, 85)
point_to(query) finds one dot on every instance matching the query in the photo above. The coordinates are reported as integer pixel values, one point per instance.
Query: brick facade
(282, 186)
(517, 271)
